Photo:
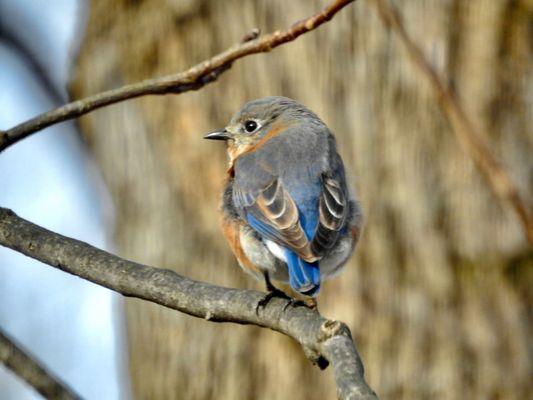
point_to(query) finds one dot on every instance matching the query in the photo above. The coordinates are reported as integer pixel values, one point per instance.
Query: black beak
(220, 135)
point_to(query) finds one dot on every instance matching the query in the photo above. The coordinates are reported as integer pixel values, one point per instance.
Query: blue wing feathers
(263, 228)
(304, 277)
(309, 220)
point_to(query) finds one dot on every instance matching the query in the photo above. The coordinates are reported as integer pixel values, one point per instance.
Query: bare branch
(22, 364)
(474, 143)
(324, 341)
(192, 79)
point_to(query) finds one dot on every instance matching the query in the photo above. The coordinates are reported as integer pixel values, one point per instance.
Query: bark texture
(436, 295)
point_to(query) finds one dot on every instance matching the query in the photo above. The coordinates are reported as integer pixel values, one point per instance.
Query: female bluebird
(287, 211)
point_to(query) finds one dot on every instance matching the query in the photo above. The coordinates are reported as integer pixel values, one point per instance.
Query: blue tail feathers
(304, 277)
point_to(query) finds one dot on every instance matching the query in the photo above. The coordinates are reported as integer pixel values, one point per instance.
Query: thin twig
(192, 79)
(25, 366)
(324, 341)
(474, 143)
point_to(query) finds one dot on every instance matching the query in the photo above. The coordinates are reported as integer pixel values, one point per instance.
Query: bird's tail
(304, 277)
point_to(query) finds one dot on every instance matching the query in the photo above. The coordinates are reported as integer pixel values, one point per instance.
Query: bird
(288, 212)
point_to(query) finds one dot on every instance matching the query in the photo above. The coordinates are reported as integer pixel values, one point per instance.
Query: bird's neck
(234, 152)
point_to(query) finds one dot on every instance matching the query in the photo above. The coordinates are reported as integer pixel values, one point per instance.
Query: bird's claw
(294, 303)
(269, 296)
(310, 303)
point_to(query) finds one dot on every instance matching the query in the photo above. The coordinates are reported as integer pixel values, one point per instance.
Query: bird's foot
(310, 303)
(269, 296)
(295, 303)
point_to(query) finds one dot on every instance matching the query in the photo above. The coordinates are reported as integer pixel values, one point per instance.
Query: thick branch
(323, 341)
(192, 79)
(16, 359)
(474, 143)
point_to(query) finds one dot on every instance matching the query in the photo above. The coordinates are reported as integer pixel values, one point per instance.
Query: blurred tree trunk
(437, 294)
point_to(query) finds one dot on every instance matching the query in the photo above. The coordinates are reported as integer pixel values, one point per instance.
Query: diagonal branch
(324, 341)
(192, 79)
(474, 143)
(22, 364)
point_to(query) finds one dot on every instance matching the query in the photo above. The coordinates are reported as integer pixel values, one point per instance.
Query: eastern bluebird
(287, 211)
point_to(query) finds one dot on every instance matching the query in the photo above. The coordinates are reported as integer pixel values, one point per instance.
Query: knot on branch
(195, 83)
(328, 330)
(213, 75)
(252, 35)
(332, 328)
(315, 357)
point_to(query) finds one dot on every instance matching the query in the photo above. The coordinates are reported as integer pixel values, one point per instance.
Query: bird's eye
(250, 126)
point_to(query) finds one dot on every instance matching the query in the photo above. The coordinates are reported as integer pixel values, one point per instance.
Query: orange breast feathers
(235, 151)
(231, 230)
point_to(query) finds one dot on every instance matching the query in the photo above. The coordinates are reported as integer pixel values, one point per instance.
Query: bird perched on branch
(288, 213)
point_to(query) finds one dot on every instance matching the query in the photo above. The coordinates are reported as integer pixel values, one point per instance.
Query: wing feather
(275, 208)
(332, 212)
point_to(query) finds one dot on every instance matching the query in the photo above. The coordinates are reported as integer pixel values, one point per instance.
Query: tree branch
(17, 360)
(192, 79)
(474, 143)
(324, 341)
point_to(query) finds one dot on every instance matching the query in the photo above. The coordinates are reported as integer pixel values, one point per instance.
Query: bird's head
(260, 120)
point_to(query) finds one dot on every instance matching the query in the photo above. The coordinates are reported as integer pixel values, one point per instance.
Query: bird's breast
(235, 151)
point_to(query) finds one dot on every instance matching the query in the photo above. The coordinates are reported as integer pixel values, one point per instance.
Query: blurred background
(74, 327)
(438, 295)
